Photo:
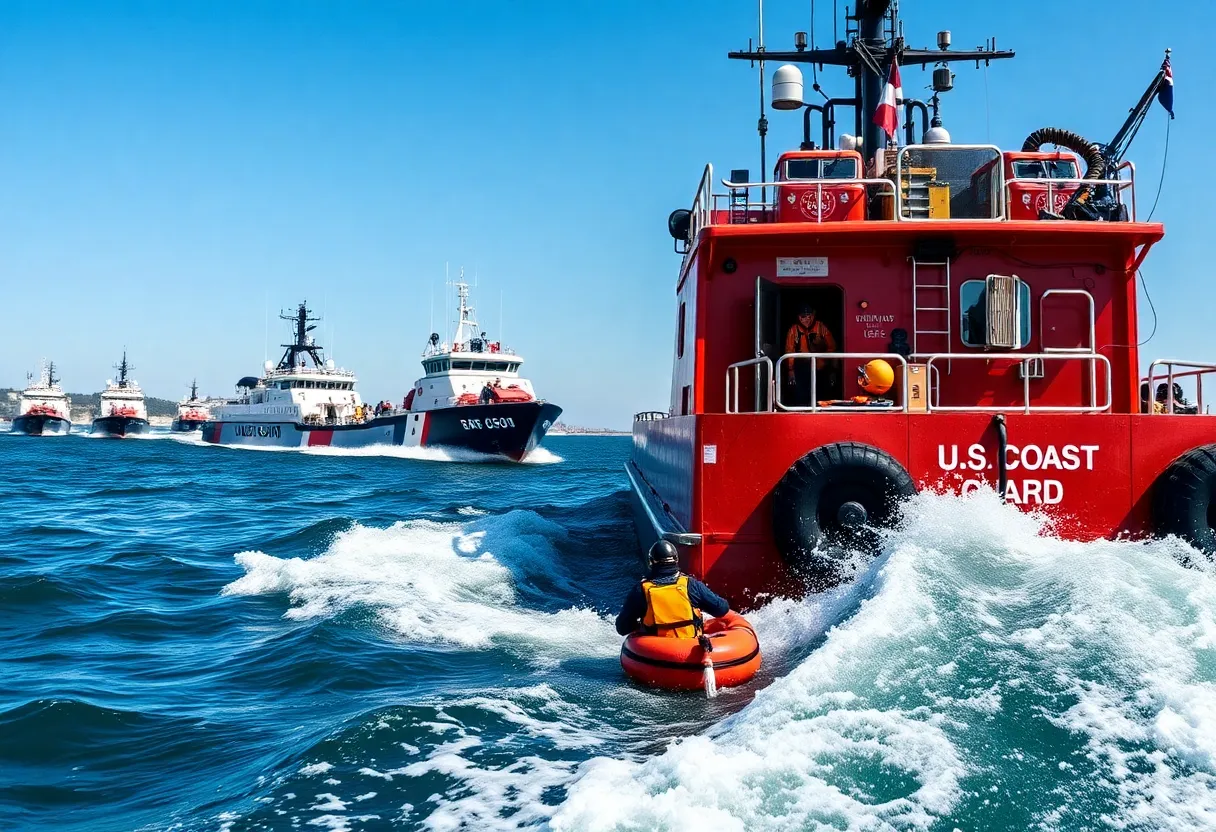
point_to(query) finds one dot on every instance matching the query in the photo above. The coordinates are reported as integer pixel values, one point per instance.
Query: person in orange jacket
(809, 334)
(667, 602)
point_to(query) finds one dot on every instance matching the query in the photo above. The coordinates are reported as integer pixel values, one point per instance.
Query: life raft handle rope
(708, 678)
(1002, 442)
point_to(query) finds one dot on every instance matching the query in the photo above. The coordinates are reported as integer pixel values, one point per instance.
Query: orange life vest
(669, 612)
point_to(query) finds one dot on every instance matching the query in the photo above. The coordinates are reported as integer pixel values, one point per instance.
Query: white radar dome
(937, 135)
(329, 364)
(850, 142)
(269, 365)
(787, 88)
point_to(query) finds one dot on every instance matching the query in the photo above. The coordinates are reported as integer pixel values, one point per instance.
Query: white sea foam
(934, 682)
(875, 730)
(436, 453)
(441, 583)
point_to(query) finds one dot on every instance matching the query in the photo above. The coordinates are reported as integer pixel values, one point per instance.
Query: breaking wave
(979, 674)
(995, 678)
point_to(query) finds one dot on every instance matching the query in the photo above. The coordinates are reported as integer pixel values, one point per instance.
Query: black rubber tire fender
(1183, 503)
(809, 495)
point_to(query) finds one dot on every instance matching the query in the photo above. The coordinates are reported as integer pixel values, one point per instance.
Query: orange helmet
(875, 377)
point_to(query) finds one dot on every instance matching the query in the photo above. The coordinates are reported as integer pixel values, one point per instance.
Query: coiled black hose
(1095, 165)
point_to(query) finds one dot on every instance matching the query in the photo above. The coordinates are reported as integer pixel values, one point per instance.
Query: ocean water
(199, 638)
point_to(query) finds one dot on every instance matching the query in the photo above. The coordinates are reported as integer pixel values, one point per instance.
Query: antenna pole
(762, 124)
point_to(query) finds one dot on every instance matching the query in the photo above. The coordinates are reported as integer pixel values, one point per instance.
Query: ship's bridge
(499, 363)
(309, 378)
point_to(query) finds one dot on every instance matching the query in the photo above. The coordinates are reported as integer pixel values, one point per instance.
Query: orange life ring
(675, 663)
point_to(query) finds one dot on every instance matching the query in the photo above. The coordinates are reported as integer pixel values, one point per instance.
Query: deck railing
(884, 185)
(814, 406)
(1052, 185)
(769, 389)
(706, 203)
(1027, 361)
(1193, 369)
(732, 372)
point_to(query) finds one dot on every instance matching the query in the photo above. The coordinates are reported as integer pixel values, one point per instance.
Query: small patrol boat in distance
(191, 412)
(473, 396)
(45, 409)
(122, 411)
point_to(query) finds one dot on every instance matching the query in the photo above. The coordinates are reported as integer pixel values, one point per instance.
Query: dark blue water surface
(201, 638)
(389, 606)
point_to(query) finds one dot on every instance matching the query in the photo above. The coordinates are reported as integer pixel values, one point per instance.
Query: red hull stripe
(426, 426)
(320, 438)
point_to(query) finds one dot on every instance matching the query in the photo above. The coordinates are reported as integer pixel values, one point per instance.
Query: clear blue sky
(167, 167)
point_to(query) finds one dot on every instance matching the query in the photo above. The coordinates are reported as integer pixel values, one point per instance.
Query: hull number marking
(491, 423)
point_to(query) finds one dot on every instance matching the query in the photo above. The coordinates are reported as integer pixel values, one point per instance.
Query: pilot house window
(821, 169)
(995, 312)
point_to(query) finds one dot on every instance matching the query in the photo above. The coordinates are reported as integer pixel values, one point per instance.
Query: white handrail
(733, 369)
(701, 214)
(1024, 359)
(832, 356)
(819, 184)
(1197, 369)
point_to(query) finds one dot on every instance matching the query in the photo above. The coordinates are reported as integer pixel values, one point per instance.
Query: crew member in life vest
(810, 334)
(667, 602)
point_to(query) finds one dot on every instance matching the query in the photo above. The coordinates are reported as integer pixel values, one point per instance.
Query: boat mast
(866, 54)
(123, 368)
(465, 312)
(303, 344)
(194, 390)
(50, 374)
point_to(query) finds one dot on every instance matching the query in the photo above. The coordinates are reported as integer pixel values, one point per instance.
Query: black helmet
(663, 555)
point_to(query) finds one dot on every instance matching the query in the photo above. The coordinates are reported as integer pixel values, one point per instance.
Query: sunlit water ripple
(199, 638)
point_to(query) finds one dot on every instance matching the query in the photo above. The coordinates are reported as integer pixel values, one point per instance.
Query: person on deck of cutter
(668, 602)
(808, 334)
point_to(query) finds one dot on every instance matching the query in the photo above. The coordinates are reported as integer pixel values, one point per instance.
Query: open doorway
(778, 306)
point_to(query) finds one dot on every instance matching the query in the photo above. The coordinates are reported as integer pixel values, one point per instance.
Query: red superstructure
(1000, 287)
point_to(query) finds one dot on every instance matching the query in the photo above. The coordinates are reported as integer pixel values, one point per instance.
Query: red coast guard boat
(998, 285)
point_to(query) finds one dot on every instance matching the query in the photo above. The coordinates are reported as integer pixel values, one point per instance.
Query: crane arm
(1117, 148)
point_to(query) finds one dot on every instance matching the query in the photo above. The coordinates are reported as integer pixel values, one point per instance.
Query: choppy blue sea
(200, 638)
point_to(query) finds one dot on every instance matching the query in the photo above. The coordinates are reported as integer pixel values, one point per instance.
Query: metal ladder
(937, 285)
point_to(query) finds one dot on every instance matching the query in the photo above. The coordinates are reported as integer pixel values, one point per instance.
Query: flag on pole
(886, 115)
(1166, 93)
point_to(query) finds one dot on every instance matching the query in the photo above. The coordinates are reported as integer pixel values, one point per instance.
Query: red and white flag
(887, 114)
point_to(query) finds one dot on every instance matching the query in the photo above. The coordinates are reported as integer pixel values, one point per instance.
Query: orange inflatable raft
(678, 663)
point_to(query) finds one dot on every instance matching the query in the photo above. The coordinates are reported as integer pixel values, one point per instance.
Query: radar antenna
(873, 37)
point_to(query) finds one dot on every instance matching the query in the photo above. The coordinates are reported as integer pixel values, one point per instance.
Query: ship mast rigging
(303, 344)
(873, 37)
